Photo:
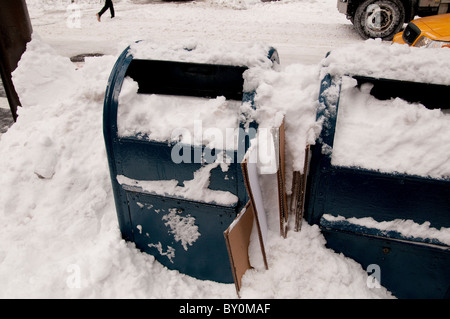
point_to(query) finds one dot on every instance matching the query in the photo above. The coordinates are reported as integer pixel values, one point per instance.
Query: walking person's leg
(103, 10)
(111, 8)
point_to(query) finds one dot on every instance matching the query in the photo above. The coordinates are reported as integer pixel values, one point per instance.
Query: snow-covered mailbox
(379, 181)
(176, 131)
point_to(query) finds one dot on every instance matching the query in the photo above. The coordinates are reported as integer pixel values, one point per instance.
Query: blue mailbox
(152, 220)
(410, 267)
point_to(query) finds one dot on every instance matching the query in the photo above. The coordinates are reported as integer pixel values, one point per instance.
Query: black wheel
(379, 18)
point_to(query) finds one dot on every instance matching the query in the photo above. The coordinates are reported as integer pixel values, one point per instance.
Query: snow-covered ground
(59, 236)
(302, 31)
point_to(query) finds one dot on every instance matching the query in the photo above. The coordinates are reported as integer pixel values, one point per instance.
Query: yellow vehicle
(384, 18)
(430, 32)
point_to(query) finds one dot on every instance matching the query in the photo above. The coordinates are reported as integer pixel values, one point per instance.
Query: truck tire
(379, 18)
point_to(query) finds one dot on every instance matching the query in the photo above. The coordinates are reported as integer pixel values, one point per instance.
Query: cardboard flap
(237, 239)
(270, 156)
(297, 204)
(281, 177)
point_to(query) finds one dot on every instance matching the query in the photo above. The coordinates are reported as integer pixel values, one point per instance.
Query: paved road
(6, 119)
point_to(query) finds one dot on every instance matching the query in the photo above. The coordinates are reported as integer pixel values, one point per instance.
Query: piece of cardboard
(279, 141)
(238, 234)
(237, 239)
(273, 164)
(251, 180)
(297, 204)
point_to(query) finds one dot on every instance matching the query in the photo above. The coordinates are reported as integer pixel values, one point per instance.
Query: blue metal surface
(140, 213)
(411, 269)
(346, 225)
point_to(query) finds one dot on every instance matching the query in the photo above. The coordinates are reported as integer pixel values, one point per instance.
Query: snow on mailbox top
(254, 55)
(197, 120)
(379, 59)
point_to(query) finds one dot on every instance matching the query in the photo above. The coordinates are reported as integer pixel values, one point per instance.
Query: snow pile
(391, 135)
(384, 60)
(307, 272)
(291, 94)
(43, 89)
(60, 235)
(188, 120)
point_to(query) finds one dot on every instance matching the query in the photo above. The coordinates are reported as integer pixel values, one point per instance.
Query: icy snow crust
(60, 236)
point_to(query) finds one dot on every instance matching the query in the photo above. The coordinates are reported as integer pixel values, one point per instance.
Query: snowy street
(302, 31)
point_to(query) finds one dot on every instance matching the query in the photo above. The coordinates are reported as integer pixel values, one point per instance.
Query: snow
(60, 236)
(195, 189)
(295, 28)
(215, 52)
(412, 140)
(188, 120)
(376, 59)
(183, 228)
